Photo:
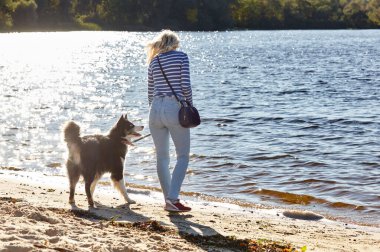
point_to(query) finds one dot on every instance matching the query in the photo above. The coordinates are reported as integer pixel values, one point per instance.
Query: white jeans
(163, 123)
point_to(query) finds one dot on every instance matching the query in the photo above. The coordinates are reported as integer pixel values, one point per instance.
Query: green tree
(184, 15)
(47, 11)
(24, 14)
(325, 13)
(355, 14)
(188, 14)
(114, 13)
(296, 13)
(161, 15)
(6, 21)
(245, 12)
(374, 11)
(214, 14)
(258, 13)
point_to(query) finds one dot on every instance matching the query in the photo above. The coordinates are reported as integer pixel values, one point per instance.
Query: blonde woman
(163, 114)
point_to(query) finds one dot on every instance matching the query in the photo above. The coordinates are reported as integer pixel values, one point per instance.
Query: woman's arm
(185, 79)
(150, 85)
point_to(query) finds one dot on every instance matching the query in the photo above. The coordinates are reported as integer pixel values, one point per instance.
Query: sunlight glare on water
(43, 74)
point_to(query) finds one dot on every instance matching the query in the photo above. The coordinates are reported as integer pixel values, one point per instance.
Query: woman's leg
(160, 135)
(161, 141)
(181, 139)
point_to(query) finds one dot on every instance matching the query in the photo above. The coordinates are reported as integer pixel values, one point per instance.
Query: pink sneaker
(176, 206)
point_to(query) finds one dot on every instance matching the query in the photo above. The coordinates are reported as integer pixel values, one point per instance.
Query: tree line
(24, 15)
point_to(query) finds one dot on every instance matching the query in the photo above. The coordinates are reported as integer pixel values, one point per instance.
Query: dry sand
(36, 216)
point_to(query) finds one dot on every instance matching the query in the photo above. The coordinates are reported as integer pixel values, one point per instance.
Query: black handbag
(188, 115)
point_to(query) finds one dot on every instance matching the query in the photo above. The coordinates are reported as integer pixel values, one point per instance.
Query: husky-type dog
(92, 156)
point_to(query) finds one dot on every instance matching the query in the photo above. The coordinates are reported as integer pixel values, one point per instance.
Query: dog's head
(128, 130)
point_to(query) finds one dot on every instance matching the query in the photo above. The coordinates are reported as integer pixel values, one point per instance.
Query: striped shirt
(176, 67)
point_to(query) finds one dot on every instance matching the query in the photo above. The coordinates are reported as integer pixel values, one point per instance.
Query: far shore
(36, 216)
(148, 29)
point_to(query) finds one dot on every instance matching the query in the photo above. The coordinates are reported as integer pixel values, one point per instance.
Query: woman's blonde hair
(166, 41)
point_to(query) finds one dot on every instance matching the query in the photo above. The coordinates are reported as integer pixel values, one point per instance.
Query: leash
(141, 138)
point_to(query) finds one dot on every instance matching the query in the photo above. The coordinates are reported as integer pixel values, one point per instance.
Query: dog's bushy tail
(71, 132)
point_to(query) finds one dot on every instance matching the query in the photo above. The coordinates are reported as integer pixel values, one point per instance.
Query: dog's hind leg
(87, 187)
(74, 174)
(93, 184)
(118, 182)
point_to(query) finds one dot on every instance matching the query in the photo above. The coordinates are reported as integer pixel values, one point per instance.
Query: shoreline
(38, 217)
(340, 214)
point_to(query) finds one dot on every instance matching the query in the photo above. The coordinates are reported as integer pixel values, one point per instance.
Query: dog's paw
(131, 201)
(90, 203)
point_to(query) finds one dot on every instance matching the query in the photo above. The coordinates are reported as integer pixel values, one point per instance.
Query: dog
(94, 155)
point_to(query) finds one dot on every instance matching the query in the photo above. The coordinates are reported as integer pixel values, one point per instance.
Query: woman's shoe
(176, 206)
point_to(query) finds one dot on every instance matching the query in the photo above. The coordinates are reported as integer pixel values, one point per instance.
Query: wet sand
(36, 216)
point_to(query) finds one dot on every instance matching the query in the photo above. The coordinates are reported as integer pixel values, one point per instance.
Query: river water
(290, 118)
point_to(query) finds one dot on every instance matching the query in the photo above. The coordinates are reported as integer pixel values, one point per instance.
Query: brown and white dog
(93, 155)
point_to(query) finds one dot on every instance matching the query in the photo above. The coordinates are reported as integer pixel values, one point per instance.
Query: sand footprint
(18, 248)
(41, 217)
(54, 240)
(53, 232)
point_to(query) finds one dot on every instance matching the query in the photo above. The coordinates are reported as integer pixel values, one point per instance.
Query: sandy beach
(36, 216)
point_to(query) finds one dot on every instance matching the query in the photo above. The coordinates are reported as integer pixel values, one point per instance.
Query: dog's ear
(120, 119)
(125, 117)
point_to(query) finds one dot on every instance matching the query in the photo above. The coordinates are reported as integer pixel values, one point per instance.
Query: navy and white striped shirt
(176, 67)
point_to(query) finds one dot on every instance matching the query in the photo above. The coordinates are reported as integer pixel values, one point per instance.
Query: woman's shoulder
(181, 53)
(182, 56)
(153, 62)
(176, 53)
(168, 56)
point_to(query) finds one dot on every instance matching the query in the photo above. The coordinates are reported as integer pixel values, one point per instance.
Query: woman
(163, 115)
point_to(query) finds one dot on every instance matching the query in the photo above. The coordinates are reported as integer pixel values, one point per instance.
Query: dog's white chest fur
(74, 153)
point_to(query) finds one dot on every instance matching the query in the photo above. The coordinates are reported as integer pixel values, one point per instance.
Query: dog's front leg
(120, 186)
(74, 173)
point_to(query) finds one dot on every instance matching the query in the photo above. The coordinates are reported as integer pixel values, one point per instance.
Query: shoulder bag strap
(167, 80)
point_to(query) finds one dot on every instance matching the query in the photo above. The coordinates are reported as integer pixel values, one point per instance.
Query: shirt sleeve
(185, 80)
(150, 85)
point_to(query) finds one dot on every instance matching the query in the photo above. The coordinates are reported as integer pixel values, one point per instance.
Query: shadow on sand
(205, 237)
(122, 212)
